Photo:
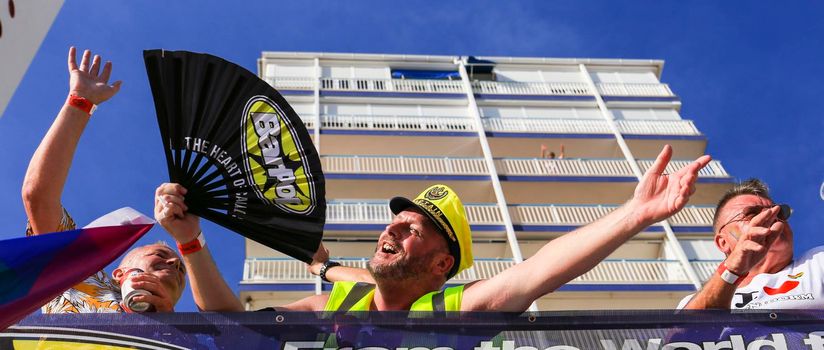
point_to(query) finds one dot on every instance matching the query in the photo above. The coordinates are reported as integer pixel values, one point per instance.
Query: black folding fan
(240, 150)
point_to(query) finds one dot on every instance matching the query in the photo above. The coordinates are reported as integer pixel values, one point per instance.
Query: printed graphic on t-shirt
(773, 294)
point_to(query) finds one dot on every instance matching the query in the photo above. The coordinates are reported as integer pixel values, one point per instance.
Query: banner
(606, 330)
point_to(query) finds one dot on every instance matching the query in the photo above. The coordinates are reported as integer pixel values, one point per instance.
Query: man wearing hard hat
(429, 241)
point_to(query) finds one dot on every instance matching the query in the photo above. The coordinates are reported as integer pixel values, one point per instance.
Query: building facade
(535, 147)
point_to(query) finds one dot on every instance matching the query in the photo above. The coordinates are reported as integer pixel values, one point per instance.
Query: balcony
(402, 165)
(570, 89)
(392, 85)
(478, 87)
(507, 167)
(705, 268)
(398, 123)
(578, 215)
(627, 89)
(638, 273)
(292, 83)
(511, 167)
(373, 212)
(589, 126)
(532, 88)
(378, 213)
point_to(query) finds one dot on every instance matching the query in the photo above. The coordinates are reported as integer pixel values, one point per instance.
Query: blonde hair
(130, 254)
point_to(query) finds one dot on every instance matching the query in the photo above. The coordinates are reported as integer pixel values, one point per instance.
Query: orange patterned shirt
(98, 293)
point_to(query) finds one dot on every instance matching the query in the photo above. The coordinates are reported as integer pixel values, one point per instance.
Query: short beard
(402, 269)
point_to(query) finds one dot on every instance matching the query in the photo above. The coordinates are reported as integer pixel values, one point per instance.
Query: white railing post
(671, 240)
(316, 104)
(491, 168)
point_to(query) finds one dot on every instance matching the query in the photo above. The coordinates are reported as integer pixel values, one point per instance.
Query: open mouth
(388, 248)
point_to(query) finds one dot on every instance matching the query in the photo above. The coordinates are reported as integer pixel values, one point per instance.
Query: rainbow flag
(34, 270)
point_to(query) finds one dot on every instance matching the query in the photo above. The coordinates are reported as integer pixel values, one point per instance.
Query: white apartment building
(388, 125)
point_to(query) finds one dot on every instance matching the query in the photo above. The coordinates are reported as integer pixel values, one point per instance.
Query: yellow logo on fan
(274, 158)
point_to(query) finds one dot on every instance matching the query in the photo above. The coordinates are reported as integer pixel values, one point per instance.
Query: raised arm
(657, 197)
(749, 252)
(209, 289)
(49, 166)
(337, 273)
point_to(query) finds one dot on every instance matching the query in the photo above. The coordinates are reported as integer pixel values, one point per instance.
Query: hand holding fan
(240, 150)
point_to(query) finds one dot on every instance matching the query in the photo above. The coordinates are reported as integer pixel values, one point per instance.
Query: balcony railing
(506, 166)
(392, 85)
(657, 127)
(528, 125)
(607, 272)
(547, 125)
(481, 87)
(585, 214)
(592, 167)
(403, 165)
(292, 83)
(713, 169)
(308, 120)
(705, 268)
(590, 126)
(399, 123)
(379, 213)
(534, 88)
(488, 214)
(628, 89)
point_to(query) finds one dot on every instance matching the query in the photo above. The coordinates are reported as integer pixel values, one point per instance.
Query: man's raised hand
(660, 195)
(88, 81)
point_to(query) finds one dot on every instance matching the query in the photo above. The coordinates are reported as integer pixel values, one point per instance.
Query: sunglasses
(750, 212)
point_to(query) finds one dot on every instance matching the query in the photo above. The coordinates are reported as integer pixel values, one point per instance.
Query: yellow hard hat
(442, 205)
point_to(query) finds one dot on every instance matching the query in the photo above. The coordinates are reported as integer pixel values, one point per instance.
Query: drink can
(128, 292)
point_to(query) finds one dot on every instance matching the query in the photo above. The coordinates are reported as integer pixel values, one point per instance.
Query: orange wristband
(82, 104)
(192, 246)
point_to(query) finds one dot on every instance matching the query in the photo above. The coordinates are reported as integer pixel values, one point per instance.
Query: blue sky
(748, 76)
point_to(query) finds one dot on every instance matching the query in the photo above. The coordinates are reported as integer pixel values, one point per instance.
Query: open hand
(755, 241)
(88, 81)
(659, 195)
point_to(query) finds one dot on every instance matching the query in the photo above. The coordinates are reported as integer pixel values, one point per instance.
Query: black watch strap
(326, 266)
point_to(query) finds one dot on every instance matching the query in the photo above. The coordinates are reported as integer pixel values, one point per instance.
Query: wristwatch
(326, 266)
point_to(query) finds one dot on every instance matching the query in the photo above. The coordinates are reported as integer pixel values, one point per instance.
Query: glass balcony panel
(550, 214)
(592, 167)
(403, 165)
(634, 89)
(292, 83)
(590, 126)
(379, 213)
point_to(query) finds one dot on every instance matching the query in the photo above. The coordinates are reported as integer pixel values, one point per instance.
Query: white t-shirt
(800, 285)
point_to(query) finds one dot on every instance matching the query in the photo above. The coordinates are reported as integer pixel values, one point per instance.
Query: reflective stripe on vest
(352, 296)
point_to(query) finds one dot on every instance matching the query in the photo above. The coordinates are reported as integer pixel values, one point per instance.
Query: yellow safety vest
(357, 296)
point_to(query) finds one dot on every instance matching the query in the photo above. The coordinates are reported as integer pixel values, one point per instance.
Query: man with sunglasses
(759, 271)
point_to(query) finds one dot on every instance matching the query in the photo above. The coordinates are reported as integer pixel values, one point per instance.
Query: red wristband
(192, 246)
(82, 104)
